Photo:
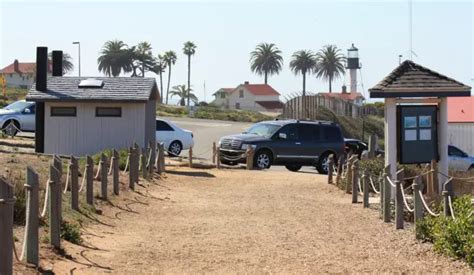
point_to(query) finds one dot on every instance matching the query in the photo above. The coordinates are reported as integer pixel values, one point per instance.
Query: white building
(253, 97)
(19, 75)
(461, 123)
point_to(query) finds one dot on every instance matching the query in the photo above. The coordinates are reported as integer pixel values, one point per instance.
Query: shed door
(418, 138)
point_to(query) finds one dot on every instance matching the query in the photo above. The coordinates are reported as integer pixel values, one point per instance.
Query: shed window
(108, 112)
(241, 93)
(63, 111)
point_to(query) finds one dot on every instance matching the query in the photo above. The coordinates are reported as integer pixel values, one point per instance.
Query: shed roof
(413, 80)
(131, 89)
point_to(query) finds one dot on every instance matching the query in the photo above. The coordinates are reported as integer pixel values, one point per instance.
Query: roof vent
(91, 83)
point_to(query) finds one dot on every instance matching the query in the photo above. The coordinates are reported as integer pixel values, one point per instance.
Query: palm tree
(303, 62)
(144, 59)
(184, 93)
(159, 69)
(67, 62)
(330, 64)
(114, 58)
(266, 60)
(189, 49)
(170, 59)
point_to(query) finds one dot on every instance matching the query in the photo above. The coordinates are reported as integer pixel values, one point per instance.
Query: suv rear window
(309, 132)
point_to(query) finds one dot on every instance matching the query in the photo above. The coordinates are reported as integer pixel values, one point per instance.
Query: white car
(459, 160)
(174, 138)
(21, 114)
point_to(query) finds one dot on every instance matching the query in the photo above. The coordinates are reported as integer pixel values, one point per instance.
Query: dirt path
(248, 221)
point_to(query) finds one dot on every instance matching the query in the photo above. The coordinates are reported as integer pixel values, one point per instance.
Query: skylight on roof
(91, 83)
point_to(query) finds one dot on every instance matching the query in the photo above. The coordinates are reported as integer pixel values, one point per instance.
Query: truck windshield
(18, 106)
(264, 130)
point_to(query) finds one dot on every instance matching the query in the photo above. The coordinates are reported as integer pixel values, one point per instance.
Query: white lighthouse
(352, 66)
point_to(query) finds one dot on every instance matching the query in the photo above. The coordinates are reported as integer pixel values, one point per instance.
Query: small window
(163, 126)
(237, 105)
(63, 111)
(108, 112)
(222, 95)
(241, 93)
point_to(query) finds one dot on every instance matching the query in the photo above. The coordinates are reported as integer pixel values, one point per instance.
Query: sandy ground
(237, 221)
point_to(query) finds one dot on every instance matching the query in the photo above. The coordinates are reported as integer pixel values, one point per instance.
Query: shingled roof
(412, 80)
(130, 89)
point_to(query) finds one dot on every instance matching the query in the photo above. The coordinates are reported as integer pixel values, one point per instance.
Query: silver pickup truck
(20, 114)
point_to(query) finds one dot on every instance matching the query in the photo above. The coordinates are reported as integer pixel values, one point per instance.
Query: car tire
(293, 167)
(322, 165)
(263, 159)
(175, 148)
(13, 132)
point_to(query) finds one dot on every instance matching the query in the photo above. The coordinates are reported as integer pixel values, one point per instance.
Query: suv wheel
(263, 159)
(293, 167)
(323, 165)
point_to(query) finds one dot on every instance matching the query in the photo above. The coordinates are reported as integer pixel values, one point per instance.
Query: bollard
(399, 200)
(131, 178)
(89, 180)
(349, 175)
(418, 203)
(249, 160)
(55, 191)
(355, 178)
(214, 152)
(339, 169)
(31, 242)
(74, 166)
(58, 164)
(330, 168)
(103, 176)
(446, 210)
(7, 202)
(218, 159)
(143, 159)
(116, 172)
(381, 195)
(366, 189)
(190, 151)
(161, 158)
(387, 195)
(136, 154)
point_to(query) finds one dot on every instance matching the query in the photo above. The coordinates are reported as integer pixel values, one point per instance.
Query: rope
(451, 207)
(110, 168)
(148, 162)
(126, 165)
(426, 205)
(391, 182)
(23, 249)
(360, 187)
(469, 179)
(67, 178)
(373, 186)
(98, 171)
(405, 201)
(140, 162)
(83, 179)
(46, 196)
(420, 175)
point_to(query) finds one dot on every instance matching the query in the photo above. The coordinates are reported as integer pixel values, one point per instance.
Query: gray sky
(225, 33)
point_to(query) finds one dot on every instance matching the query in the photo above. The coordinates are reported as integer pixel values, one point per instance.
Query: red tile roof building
(20, 74)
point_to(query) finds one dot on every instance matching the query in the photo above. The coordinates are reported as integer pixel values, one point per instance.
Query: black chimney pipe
(57, 63)
(41, 68)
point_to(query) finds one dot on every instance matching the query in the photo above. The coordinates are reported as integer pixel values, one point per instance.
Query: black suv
(291, 143)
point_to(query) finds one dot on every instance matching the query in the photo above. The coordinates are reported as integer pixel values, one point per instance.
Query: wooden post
(218, 159)
(355, 179)
(143, 160)
(161, 158)
(214, 152)
(131, 160)
(89, 180)
(349, 175)
(330, 168)
(372, 145)
(137, 163)
(249, 160)
(446, 210)
(382, 194)
(190, 157)
(58, 164)
(116, 172)
(418, 203)
(430, 191)
(103, 176)
(7, 201)
(386, 195)
(74, 166)
(152, 156)
(434, 167)
(340, 164)
(366, 189)
(55, 191)
(399, 200)
(32, 244)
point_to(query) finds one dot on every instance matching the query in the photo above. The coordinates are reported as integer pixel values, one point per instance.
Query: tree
(330, 64)
(159, 69)
(266, 60)
(303, 62)
(142, 58)
(67, 62)
(170, 59)
(115, 57)
(184, 93)
(189, 49)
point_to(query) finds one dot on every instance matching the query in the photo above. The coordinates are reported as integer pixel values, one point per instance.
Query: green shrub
(71, 232)
(452, 237)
